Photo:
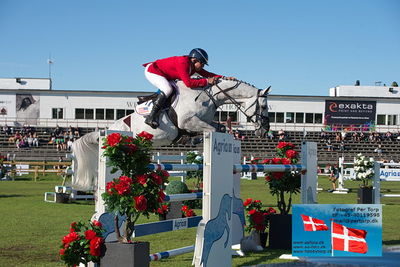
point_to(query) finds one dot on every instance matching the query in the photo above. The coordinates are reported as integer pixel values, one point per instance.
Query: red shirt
(172, 68)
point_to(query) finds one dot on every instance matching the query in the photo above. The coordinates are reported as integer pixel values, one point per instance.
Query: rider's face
(197, 64)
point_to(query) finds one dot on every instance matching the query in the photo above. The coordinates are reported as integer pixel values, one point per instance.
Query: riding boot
(152, 119)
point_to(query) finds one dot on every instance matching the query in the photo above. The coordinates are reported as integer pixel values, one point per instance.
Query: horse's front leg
(195, 124)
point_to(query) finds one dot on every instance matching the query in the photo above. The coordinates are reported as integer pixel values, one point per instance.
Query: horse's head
(248, 99)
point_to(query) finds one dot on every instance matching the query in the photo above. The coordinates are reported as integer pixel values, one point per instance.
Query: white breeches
(159, 81)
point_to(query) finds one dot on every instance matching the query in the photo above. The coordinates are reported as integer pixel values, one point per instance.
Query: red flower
(286, 161)
(62, 251)
(123, 188)
(114, 139)
(95, 246)
(190, 213)
(161, 196)
(131, 148)
(156, 178)
(266, 161)
(267, 178)
(140, 203)
(258, 217)
(70, 237)
(281, 145)
(90, 234)
(165, 173)
(185, 208)
(125, 180)
(109, 186)
(97, 223)
(142, 179)
(146, 135)
(247, 202)
(291, 153)
(271, 210)
(276, 161)
(251, 212)
(278, 175)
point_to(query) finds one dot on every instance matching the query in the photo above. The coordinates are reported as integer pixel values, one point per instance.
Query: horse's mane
(226, 79)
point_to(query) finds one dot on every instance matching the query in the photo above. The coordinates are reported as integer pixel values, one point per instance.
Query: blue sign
(337, 230)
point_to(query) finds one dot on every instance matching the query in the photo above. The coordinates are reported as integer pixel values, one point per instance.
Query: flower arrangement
(284, 184)
(138, 191)
(187, 212)
(256, 216)
(164, 209)
(364, 168)
(82, 244)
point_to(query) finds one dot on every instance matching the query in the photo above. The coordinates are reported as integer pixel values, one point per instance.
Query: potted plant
(257, 219)
(283, 185)
(187, 212)
(138, 191)
(364, 169)
(82, 244)
(163, 211)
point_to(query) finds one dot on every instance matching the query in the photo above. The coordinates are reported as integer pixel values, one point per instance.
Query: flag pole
(331, 237)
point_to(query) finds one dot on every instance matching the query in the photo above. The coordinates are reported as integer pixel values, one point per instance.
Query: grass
(32, 229)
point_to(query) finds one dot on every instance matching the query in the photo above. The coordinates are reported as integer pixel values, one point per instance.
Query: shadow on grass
(83, 202)
(391, 242)
(13, 195)
(265, 256)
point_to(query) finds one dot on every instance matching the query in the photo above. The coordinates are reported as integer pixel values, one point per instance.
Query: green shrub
(176, 187)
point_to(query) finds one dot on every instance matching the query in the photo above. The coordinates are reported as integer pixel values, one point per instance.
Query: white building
(32, 101)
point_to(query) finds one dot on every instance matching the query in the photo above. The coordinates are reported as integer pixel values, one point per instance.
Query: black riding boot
(152, 119)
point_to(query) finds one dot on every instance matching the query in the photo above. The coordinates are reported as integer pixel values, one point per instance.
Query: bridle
(257, 113)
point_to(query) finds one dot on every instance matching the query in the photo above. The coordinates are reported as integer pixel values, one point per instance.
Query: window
(381, 119)
(280, 116)
(289, 117)
(299, 117)
(89, 114)
(79, 113)
(271, 116)
(57, 113)
(109, 114)
(224, 115)
(99, 113)
(309, 117)
(392, 119)
(129, 111)
(216, 116)
(318, 118)
(120, 113)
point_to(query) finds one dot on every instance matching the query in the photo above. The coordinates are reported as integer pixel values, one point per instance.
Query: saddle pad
(144, 109)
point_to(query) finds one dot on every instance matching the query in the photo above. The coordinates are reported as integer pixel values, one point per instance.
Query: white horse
(193, 113)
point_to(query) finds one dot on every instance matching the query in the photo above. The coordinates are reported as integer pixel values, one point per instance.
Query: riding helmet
(200, 54)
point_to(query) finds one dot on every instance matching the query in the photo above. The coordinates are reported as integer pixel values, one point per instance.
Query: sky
(297, 47)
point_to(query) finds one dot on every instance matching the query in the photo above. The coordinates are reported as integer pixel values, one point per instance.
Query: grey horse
(193, 113)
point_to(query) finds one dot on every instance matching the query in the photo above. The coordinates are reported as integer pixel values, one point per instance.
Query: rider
(162, 72)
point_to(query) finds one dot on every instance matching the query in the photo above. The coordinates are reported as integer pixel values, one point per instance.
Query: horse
(193, 113)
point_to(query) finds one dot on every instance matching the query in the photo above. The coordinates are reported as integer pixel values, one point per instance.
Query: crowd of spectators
(64, 138)
(26, 136)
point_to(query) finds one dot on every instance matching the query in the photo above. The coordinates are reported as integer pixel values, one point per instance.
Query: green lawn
(32, 229)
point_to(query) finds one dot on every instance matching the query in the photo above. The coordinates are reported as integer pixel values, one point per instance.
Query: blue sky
(297, 47)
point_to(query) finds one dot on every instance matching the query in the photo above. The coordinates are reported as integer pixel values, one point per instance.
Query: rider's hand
(212, 80)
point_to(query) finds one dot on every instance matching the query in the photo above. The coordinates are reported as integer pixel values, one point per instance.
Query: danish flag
(348, 239)
(313, 224)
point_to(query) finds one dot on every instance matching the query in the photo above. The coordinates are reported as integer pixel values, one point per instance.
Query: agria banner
(348, 112)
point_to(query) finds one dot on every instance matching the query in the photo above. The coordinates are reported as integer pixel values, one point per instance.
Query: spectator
(69, 145)
(328, 145)
(333, 176)
(342, 146)
(35, 141)
(229, 124)
(238, 135)
(270, 135)
(281, 135)
(379, 150)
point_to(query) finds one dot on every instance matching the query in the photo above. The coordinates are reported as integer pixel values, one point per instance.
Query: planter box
(126, 254)
(263, 239)
(364, 195)
(280, 231)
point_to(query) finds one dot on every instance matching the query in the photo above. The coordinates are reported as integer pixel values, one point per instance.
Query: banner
(337, 230)
(347, 112)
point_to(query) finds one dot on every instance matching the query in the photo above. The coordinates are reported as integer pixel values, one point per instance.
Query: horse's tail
(86, 154)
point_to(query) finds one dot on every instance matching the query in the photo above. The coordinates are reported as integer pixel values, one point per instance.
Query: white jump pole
(341, 189)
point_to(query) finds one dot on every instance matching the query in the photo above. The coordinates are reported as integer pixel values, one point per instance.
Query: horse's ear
(265, 91)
